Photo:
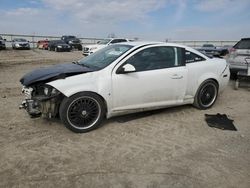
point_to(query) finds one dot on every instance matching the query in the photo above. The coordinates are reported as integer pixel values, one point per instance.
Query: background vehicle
(74, 42)
(20, 43)
(238, 54)
(43, 44)
(209, 49)
(2, 43)
(121, 79)
(87, 50)
(224, 50)
(58, 46)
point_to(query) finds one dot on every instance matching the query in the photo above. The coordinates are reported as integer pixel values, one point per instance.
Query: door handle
(176, 76)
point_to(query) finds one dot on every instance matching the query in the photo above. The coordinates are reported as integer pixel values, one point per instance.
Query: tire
(82, 112)
(206, 95)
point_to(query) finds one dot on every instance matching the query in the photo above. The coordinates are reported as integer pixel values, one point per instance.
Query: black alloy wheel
(82, 112)
(206, 95)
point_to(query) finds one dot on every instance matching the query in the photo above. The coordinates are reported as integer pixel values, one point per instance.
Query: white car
(19, 43)
(121, 79)
(89, 49)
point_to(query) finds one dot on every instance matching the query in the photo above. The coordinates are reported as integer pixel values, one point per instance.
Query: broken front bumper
(40, 105)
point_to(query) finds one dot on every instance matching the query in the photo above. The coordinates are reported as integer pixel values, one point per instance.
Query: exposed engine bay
(41, 100)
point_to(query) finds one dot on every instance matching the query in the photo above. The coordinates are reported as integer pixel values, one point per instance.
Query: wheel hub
(84, 112)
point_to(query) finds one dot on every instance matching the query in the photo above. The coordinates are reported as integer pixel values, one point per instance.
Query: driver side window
(156, 58)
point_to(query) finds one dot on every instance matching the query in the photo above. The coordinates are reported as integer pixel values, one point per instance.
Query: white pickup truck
(89, 49)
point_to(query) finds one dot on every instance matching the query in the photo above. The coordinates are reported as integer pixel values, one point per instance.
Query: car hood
(52, 73)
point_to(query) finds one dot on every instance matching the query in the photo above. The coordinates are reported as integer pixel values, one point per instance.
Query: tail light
(232, 50)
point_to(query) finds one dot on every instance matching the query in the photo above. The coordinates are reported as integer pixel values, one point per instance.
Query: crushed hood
(52, 73)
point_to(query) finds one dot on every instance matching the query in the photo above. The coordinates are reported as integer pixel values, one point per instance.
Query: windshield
(105, 56)
(20, 40)
(105, 41)
(59, 42)
(71, 37)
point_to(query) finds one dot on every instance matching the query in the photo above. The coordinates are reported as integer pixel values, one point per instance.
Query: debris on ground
(220, 121)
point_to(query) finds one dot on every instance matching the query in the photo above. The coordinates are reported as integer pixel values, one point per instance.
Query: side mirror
(127, 68)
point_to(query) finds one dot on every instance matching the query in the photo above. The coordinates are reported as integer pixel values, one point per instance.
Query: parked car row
(65, 44)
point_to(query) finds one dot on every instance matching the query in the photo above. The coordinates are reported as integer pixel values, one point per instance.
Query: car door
(160, 79)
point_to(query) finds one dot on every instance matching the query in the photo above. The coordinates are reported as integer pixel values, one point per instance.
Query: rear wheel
(82, 112)
(206, 95)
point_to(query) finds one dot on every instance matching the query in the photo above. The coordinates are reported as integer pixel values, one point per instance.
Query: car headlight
(70, 42)
(50, 91)
(17, 45)
(59, 46)
(46, 91)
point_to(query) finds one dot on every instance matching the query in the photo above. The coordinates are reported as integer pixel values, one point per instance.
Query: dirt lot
(166, 148)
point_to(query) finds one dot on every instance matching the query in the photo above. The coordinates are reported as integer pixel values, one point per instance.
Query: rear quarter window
(191, 57)
(243, 44)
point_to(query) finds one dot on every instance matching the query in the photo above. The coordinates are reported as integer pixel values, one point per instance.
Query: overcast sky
(145, 19)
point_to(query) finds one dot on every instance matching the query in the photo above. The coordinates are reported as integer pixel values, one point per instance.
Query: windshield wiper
(75, 62)
(81, 64)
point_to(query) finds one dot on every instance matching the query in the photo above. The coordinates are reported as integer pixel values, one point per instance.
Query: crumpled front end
(41, 100)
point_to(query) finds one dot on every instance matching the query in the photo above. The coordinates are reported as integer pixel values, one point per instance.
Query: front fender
(83, 82)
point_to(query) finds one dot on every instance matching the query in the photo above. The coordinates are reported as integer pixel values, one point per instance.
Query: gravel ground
(165, 148)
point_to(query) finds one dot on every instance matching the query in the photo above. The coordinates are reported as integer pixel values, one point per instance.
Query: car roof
(245, 39)
(143, 43)
(153, 43)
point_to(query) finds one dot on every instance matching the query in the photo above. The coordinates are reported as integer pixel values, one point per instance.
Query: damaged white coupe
(123, 78)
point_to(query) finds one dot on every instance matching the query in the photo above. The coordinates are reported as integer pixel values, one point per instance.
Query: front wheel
(82, 112)
(206, 95)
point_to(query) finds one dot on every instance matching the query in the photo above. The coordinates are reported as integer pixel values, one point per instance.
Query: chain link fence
(33, 39)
